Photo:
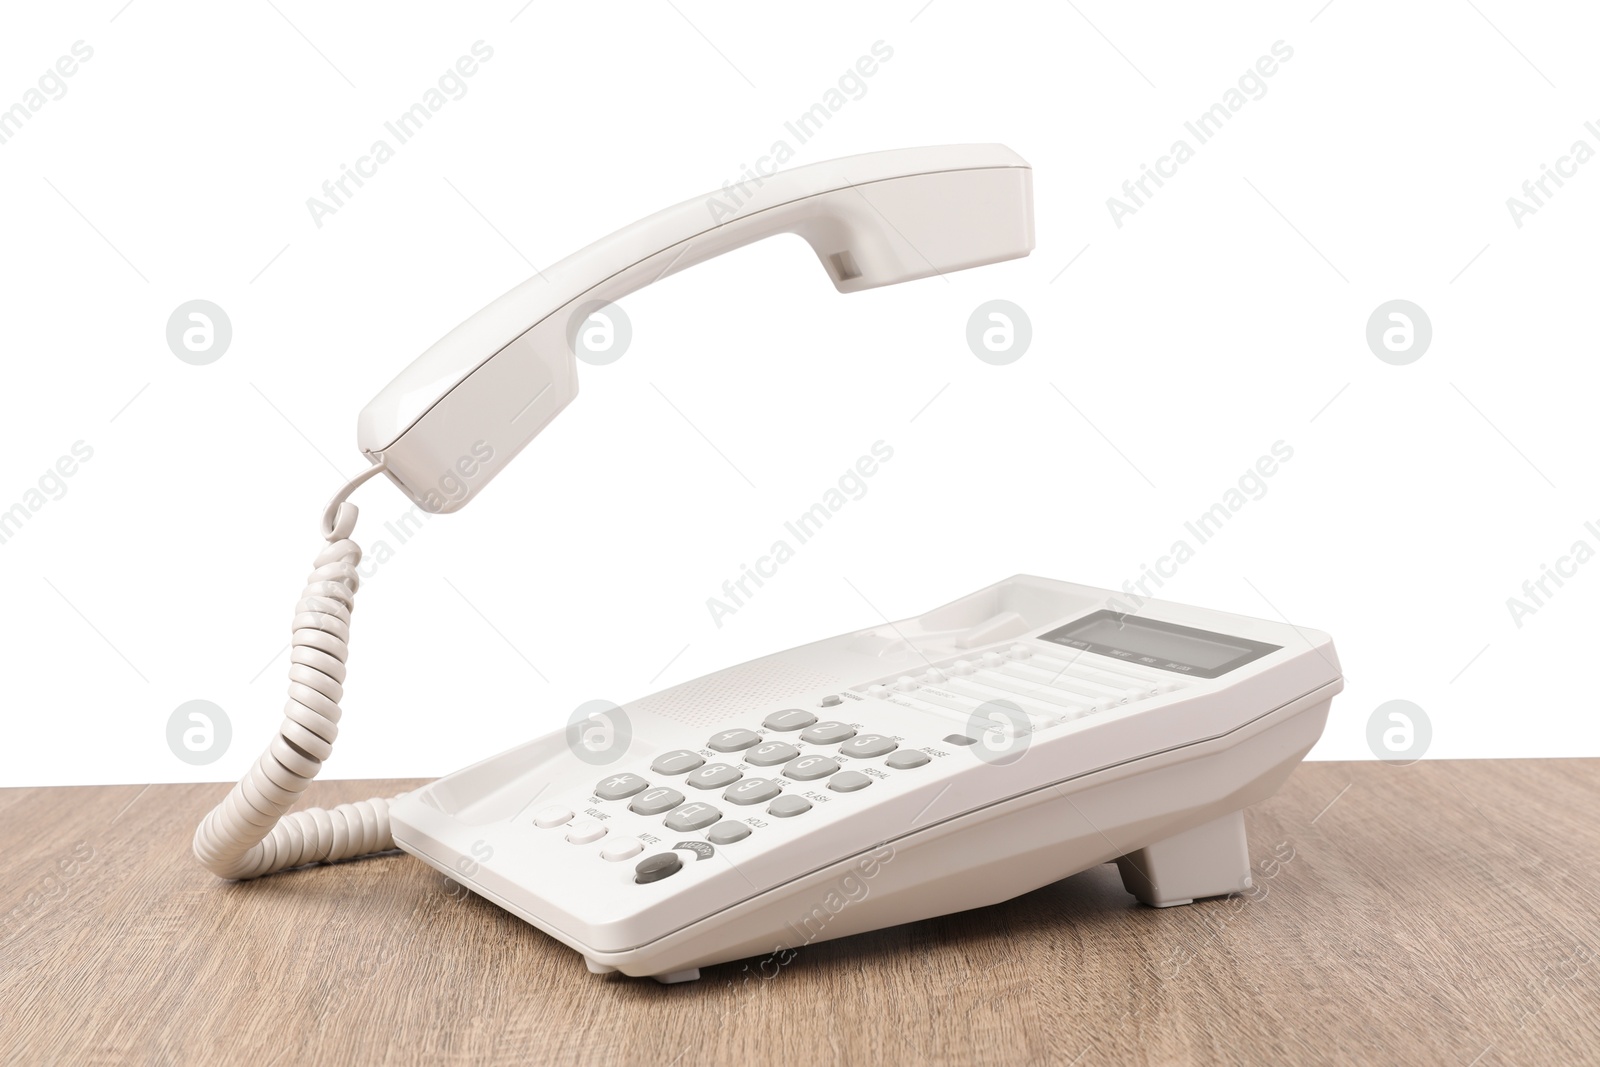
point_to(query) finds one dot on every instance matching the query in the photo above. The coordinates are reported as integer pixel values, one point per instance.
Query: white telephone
(1023, 733)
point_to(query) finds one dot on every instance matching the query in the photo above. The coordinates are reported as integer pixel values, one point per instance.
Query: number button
(733, 740)
(828, 733)
(868, 746)
(771, 753)
(715, 776)
(620, 786)
(655, 802)
(752, 791)
(678, 761)
(809, 768)
(789, 719)
(692, 817)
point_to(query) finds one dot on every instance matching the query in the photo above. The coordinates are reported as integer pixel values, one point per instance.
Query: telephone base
(1209, 860)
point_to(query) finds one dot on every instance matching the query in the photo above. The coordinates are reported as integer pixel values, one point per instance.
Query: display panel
(1164, 645)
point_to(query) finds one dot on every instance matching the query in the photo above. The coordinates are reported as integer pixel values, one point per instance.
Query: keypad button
(555, 815)
(654, 868)
(788, 806)
(752, 791)
(621, 848)
(828, 733)
(770, 753)
(960, 739)
(696, 816)
(789, 719)
(906, 759)
(727, 832)
(585, 831)
(868, 746)
(620, 787)
(714, 776)
(809, 768)
(733, 740)
(832, 700)
(656, 801)
(678, 761)
(881, 692)
(849, 781)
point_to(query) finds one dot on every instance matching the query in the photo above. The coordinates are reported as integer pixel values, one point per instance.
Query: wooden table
(1440, 913)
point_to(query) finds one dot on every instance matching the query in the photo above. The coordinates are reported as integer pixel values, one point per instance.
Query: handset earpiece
(458, 414)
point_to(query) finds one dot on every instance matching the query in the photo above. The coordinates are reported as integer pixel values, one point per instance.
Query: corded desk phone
(1021, 734)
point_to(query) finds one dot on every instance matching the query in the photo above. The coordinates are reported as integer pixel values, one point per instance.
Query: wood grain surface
(1444, 912)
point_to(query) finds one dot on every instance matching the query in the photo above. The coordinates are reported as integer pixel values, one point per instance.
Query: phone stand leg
(1209, 860)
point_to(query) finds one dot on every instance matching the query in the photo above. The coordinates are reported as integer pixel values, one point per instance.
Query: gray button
(833, 700)
(907, 758)
(960, 739)
(714, 776)
(849, 781)
(725, 833)
(620, 786)
(733, 740)
(867, 746)
(787, 806)
(770, 753)
(790, 719)
(696, 816)
(809, 768)
(678, 761)
(656, 801)
(829, 733)
(654, 868)
(752, 791)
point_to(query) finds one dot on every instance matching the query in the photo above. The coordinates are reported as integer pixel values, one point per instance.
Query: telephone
(1021, 734)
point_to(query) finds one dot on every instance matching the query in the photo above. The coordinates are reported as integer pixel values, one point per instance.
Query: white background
(1168, 354)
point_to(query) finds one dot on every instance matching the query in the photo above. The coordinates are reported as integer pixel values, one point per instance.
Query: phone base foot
(1209, 860)
(674, 977)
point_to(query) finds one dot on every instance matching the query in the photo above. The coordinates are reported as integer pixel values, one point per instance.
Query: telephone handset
(873, 220)
(501, 376)
(1020, 734)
